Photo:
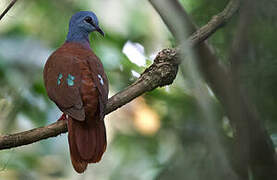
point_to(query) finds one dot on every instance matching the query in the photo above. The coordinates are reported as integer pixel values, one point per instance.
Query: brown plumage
(75, 80)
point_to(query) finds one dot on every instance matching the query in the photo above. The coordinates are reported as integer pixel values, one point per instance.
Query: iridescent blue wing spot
(70, 80)
(60, 76)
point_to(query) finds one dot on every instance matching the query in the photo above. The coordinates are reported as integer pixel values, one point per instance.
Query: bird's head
(84, 22)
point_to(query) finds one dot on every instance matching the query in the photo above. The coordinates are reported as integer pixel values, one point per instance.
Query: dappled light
(146, 120)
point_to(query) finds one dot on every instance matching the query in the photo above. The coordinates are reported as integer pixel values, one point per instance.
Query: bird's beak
(99, 30)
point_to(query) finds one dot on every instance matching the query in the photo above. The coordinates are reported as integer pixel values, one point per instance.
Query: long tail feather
(101, 141)
(87, 142)
(77, 162)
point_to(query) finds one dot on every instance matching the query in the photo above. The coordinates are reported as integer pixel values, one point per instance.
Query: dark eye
(88, 19)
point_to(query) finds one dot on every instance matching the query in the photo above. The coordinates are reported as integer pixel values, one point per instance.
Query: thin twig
(7, 9)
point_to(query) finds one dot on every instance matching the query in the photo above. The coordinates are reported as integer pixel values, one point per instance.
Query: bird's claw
(63, 117)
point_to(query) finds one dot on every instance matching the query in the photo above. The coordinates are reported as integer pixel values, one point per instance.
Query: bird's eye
(88, 19)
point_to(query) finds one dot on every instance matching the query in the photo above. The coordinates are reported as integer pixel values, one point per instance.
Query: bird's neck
(78, 36)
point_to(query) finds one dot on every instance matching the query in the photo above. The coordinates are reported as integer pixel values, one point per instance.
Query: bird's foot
(63, 117)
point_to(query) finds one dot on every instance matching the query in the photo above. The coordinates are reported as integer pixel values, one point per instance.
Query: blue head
(81, 25)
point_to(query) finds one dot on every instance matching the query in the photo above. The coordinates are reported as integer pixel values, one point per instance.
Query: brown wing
(62, 81)
(101, 81)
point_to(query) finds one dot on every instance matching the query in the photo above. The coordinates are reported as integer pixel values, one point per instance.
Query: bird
(75, 81)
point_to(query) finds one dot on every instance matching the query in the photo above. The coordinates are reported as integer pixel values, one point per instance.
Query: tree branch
(179, 21)
(7, 9)
(162, 72)
(213, 72)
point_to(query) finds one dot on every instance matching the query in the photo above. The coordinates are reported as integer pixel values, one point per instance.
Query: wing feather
(59, 67)
(101, 82)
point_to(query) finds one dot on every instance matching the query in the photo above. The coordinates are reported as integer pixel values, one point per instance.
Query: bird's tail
(87, 142)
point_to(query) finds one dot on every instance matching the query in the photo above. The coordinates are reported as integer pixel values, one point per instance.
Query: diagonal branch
(179, 21)
(7, 9)
(162, 72)
(213, 72)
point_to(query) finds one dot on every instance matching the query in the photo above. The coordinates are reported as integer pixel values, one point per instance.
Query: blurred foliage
(184, 145)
